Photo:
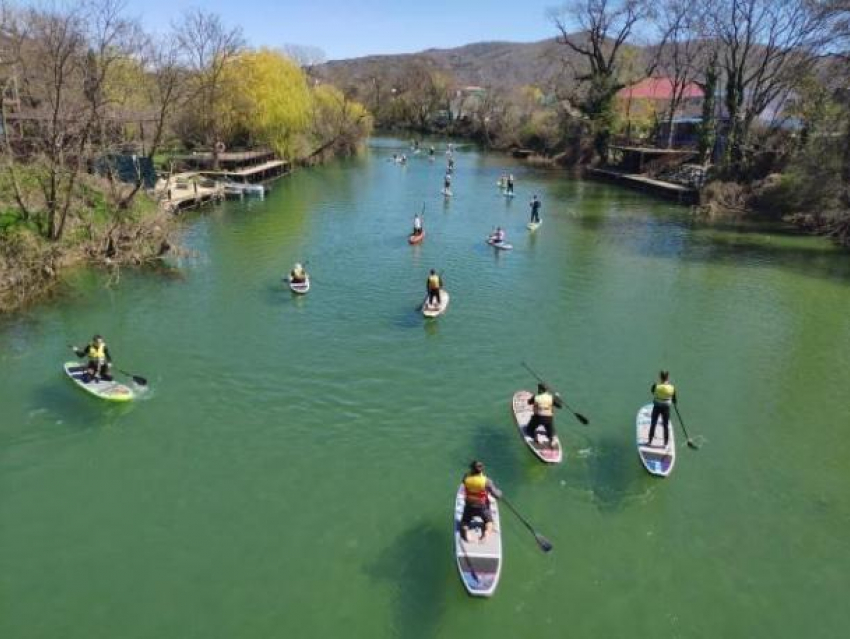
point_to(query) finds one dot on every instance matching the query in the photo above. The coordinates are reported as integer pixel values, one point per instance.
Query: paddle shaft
(578, 416)
(544, 543)
(691, 444)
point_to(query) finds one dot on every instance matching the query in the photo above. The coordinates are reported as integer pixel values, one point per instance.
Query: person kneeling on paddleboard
(435, 283)
(417, 225)
(298, 275)
(100, 361)
(498, 236)
(544, 404)
(663, 396)
(478, 490)
(535, 210)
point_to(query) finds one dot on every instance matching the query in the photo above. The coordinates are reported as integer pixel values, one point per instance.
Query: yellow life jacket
(476, 489)
(298, 274)
(434, 282)
(96, 352)
(664, 393)
(544, 405)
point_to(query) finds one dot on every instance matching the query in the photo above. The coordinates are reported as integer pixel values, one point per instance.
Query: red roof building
(658, 89)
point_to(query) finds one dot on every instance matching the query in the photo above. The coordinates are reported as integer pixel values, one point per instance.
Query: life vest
(544, 405)
(433, 282)
(298, 274)
(664, 393)
(96, 352)
(476, 490)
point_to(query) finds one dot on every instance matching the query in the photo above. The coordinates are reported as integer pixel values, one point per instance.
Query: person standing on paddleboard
(434, 284)
(100, 361)
(535, 209)
(544, 404)
(478, 488)
(417, 224)
(510, 184)
(663, 396)
(447, 182)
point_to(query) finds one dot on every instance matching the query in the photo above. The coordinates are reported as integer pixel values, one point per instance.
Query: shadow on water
(496, 446)
(419, 581)
(612, 473)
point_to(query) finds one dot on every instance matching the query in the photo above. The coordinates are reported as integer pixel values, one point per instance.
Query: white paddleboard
(656, 458)
(433, 310)
(479, 564)
(111, 391)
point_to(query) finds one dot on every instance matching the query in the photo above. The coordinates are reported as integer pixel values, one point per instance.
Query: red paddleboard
(415, 239)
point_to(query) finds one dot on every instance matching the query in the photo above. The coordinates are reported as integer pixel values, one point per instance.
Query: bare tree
(208, 46)
(766, 45)
(305, 56)
(603, 29)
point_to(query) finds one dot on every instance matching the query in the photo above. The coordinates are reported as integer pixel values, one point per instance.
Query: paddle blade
(584, 420)
(691, 444)
(141, 381)
(545, 544)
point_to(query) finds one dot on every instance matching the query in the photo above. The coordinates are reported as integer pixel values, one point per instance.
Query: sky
(353, 28)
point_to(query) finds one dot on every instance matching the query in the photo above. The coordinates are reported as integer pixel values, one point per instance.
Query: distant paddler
(297, 275)
(663, 397)
(478, 488)
(509, 185)
(535, 209)
(447, 183)
(544, 404)
(99, 366)
(417, 225)
(498, 235)
(434, 284)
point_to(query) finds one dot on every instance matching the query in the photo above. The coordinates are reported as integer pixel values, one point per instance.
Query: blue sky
(349, 28)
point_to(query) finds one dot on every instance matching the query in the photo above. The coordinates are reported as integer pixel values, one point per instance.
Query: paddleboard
(110, 391)
(415, 239)
(509, 193)
(537, 442)
(429, 310)
(657, 459)
(502, 246)
(479, 564)
(533, 226)
(301, 288)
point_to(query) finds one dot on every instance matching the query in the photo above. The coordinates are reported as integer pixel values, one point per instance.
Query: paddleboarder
(535, 209)
(447, 182)
(99, 360)
(417, 224)
(544, 404)
(478, 488)
(510, 184)
(497, 236)
(663, 396)
(434, 284)
(298, 275)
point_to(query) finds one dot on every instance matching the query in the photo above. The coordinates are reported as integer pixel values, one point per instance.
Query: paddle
(545, 544)
(584, 420)
(138, 379)
(691, 444)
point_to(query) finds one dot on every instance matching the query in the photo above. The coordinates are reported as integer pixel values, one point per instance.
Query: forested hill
(487, 64)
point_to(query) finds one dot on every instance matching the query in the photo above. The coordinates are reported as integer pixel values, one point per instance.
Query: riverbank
(31, 266)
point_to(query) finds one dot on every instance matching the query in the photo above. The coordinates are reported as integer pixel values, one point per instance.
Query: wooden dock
(670, 190)
(184, 191)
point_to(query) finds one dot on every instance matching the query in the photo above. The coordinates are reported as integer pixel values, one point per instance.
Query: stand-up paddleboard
(433, 310)
(415, 239)
(656, 458)
(446, 192)
(111, 391)
(301, 288)
(479, 564)
(502, 246)
(546, 451)
(533, 226)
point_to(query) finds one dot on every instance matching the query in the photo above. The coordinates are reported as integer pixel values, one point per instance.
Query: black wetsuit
(535, 210)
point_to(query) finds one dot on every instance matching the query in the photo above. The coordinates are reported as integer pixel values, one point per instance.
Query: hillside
(487, 64)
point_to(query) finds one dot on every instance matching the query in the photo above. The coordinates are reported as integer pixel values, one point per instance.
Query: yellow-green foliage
(336, 116)
(266, 94)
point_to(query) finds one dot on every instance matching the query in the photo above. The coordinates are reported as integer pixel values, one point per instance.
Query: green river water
(292, 471)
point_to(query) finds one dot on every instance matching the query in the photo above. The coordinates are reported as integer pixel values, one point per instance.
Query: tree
(338, 123)
(604, 28)
(766, 45)
(207, 47)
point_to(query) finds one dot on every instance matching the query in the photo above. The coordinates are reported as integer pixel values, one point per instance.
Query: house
(646, 102)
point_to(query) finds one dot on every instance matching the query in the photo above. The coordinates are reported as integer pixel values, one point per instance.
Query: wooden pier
(670, 190)
(184, 191)
(245, 167)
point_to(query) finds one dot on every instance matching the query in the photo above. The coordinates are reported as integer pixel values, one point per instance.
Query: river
(291, 471)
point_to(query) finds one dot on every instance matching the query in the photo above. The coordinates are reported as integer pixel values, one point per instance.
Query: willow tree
(268, 97)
